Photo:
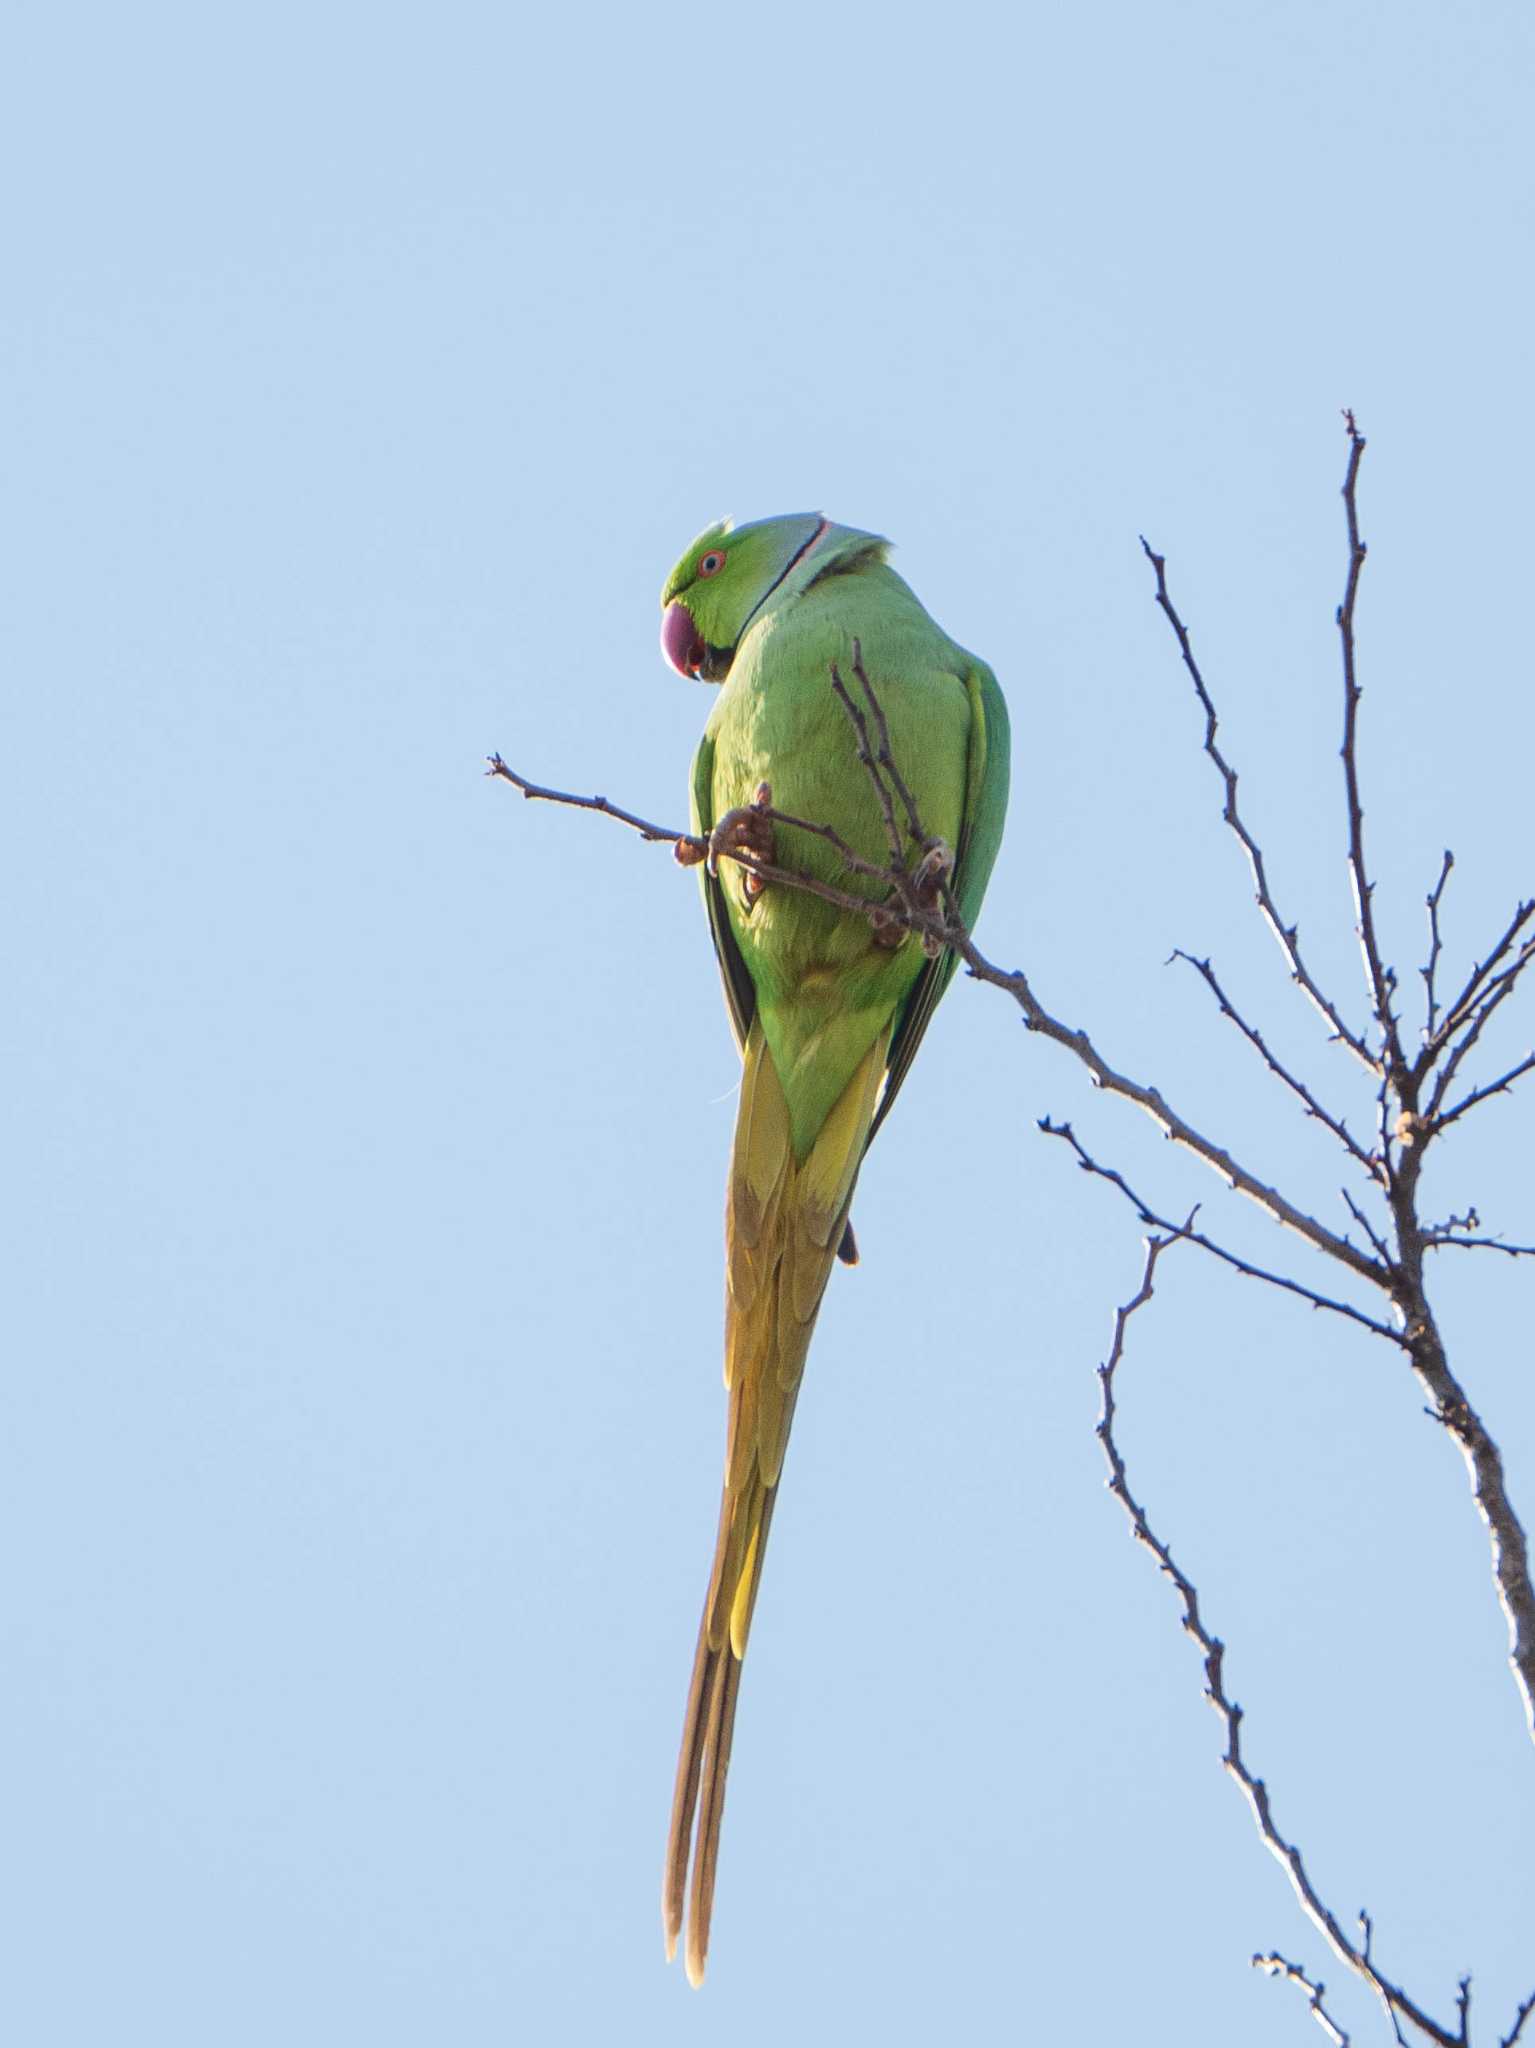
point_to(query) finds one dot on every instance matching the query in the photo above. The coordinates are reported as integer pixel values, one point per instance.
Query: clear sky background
(365, 372)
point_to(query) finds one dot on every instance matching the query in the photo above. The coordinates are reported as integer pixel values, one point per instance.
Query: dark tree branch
(1460, 1010)
(1186, 1231)
(872, 766)
(1436, 1241)
(534, 790)
(1379, 978)
(1382, 1249)
(1496, 992)
(690, 849)
(1511, 2037)
(1433, 900)
(1275, 1066)
(884, 759)
(1484, 1462)
(1287, 936)
(1367, 1947)
(1254, 1789)
(1499, 1087)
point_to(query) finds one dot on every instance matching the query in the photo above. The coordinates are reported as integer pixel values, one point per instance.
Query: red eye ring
(712, 562)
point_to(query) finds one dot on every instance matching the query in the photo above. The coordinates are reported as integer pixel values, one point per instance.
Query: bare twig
(1499, 1087)
(1276, 1965)
(1434, 1242)
(1254, 1789)
(1379, 977)
(1511, 2037)
(697, 849)
(1174, 1126)
(1496, 992)
(1461, 1009)
(1275, 1066)
(1150, 1217)
(886, 758)
(1287, 936)
(643, 826)
(1382, 1249)
(1433, 900)
(874, 762)
(1367, 1949)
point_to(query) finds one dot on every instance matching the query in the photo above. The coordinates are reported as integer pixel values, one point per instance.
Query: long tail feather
(784, 1225)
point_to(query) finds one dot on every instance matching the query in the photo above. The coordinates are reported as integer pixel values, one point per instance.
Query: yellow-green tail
(783, 1221)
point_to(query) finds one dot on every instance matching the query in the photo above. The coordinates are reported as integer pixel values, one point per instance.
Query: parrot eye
(712, 562)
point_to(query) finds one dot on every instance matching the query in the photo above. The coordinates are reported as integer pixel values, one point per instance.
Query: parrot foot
(746, 830)
(928, 881)
(689, 852)
(934, 868)
(889, 931)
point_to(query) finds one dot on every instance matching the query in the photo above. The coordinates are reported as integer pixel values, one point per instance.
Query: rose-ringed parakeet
(828, 1008)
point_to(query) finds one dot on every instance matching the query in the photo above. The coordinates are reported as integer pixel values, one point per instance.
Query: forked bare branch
(1213, 1650)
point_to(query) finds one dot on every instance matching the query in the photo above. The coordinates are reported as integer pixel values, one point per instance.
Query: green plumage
(827, 1014)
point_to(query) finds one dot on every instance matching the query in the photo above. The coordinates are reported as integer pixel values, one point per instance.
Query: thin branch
(1156, 1106)
(1255, 1038)
(643, 826)
(1276, 1965)
(1433, 900)
(1494, 993)
(872, 762)
(1367, 1949)
(1433, 1241)
(1465, 1002)
(1380, 979)
(886, 758)
(1484, 1464)
(1214, 1650)
(1510, 2039)
(693, 849)
(1287, 936)
(1149, 1216)
(1382, 1249)
(1462, 1230)
(1499, 1087)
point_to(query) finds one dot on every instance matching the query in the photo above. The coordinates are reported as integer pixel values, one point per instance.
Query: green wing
(986, 780)
(740, 990)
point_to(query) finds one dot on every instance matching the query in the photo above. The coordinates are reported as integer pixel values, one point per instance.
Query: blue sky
(366, 370)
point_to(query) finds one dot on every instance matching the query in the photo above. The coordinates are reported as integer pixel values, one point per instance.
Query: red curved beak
(681, 641)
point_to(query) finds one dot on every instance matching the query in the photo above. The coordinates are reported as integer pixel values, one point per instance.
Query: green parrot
(828, 1006)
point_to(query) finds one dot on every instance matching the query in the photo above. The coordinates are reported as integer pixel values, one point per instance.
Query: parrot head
(723, 581)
